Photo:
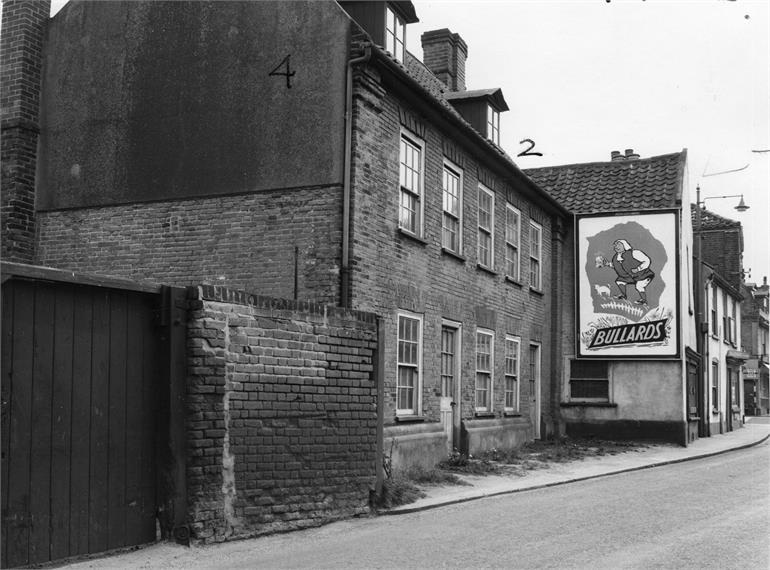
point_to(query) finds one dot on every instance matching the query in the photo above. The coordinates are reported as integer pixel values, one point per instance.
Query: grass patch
(434, 477)
(535, 454)
(396, 491)
(469, 465)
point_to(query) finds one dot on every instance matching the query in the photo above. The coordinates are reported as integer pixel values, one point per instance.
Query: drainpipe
(345, 270)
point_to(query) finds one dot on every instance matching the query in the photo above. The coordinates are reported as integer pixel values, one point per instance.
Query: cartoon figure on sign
(632, 267)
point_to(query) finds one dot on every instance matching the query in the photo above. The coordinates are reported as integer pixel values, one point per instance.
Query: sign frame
(656, 322)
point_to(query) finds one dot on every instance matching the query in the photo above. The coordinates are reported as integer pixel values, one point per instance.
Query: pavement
(755, 431)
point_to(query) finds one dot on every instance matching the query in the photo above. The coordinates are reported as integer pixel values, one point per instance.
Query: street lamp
(701, 342)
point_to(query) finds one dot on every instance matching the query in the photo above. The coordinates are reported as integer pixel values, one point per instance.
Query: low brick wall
(282, 414)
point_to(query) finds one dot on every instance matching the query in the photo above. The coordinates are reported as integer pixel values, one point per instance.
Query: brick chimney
(21, 53)
(444, 53)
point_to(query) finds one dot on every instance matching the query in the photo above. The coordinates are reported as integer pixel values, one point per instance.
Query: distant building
(723, 355)
(754, 339)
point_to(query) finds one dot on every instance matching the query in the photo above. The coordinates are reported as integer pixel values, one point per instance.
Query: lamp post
(702, 331)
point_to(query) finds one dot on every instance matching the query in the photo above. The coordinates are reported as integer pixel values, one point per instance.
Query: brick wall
(723, 250)
(393, 272)
(21, 45)
(282, 414)
(249, 241)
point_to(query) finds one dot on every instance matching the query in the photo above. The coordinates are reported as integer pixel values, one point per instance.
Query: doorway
(534, 388)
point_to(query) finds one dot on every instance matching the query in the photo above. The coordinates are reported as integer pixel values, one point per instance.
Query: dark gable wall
(161, 100)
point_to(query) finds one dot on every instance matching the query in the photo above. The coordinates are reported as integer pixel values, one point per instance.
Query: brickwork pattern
(723, 250)
(282, 414)
(250, 241)
(21, 44)
(393, 272)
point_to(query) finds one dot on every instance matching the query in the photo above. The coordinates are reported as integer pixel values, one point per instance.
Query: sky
(585, 77)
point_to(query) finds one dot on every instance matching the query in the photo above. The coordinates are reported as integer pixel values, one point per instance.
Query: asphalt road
(706, 513)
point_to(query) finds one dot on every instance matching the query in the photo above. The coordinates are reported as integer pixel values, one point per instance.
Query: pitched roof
(711, 221)
(593, 187)
(494, 95)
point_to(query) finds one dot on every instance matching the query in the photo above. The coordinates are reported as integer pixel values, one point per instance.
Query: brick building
(630, 350)
(297, 150)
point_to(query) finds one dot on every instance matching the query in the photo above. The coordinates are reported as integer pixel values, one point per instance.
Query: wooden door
(534, 389)
(79, 396)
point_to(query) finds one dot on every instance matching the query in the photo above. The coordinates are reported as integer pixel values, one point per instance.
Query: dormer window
(395, 34)
(493, 125)
(481, 108)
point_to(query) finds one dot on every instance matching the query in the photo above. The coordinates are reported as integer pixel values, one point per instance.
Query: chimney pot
(444, 54)
(631, 155)
(616, 156)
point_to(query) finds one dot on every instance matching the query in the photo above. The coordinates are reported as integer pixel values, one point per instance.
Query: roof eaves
(448, 112)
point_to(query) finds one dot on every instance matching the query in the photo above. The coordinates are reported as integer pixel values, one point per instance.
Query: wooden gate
(81, 386)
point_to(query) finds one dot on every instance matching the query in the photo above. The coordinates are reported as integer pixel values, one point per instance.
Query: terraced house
(298, 150)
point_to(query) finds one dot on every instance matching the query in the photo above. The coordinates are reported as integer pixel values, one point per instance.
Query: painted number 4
(283, 69)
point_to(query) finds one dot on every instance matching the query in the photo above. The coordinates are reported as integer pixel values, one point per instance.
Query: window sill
(538, 292)
(588, 403)
(513, 281)
(511, 414)
(486, 269)
(484, 415)
(409, 419)
(693, 418)
(410, 235)
(453, 254)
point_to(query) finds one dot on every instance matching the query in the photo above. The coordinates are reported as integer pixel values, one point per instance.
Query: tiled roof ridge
(591, 187)
(714, 219)
(611, 163)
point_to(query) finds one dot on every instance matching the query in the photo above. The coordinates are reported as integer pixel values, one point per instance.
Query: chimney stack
(444, 54)
(23, 23)
(616, 156)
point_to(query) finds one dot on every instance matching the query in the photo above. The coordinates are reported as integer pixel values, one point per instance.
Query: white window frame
(406, 191)
(493, 124)
(452, 170)
(733, 323)
(490, 371)
(536, 282)
(416, 366)
(395, 34)
(488, 232)
(513, 374)
(457, 328)
(715, 407)
(513, 242)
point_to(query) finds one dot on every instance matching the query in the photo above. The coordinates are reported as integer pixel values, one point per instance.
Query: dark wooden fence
(85, 398)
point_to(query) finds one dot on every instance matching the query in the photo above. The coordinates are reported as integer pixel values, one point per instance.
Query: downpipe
(348, 165)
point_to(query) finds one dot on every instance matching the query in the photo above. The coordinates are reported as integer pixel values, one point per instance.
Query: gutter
(348, 165)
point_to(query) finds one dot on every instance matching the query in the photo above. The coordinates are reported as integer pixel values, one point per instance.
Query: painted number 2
(527, 151)
(283, 69)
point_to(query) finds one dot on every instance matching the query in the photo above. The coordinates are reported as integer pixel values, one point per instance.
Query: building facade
(316, 160)
(630, 354)
(723, 354)
(721, 246)
(754, 337)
